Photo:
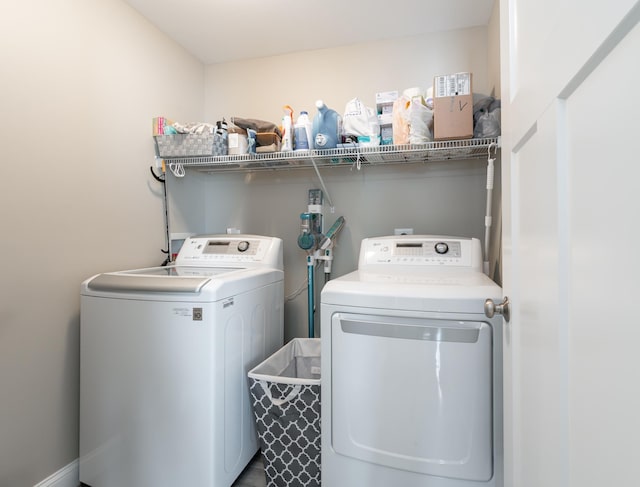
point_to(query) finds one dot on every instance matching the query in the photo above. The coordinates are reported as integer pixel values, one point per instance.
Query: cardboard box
(452, 107)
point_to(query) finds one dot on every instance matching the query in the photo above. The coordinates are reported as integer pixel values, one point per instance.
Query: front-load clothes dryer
(412, 368)
(164, 356)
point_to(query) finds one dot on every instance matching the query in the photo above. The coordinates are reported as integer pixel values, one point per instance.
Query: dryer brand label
(227, 302)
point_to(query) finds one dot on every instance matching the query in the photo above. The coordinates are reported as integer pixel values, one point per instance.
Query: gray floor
(253, 475)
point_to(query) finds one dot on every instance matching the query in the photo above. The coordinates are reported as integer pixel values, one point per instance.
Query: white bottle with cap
(303, 132)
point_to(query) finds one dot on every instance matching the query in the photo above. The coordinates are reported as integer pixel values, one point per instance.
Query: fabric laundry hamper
(285, 391)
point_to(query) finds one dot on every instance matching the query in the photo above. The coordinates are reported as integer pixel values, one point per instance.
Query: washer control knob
(442, 248)
(243, 246)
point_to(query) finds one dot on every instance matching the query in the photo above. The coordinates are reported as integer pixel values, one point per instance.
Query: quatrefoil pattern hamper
(285, 390)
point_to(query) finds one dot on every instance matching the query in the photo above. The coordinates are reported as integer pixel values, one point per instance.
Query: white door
(571, 205)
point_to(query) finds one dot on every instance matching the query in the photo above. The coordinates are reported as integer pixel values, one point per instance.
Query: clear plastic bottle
(303, 132)
(287, 129)
(327, 127)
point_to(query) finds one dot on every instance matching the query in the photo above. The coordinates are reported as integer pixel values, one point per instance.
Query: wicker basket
(190, 145)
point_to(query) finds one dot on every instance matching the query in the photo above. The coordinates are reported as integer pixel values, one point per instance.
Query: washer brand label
(227, 302)
(197, 314)
(186, 312)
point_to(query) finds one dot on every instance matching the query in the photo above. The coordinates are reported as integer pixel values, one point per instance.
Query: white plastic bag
(401, 120)
(420, 122)
(486, 117)
(359, 120)
(488, 124)
(412, 121)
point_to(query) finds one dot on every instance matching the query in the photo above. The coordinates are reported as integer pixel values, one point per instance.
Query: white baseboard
(68, 476)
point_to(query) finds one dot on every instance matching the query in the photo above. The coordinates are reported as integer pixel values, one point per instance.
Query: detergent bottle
(303, 132)
(327, 127)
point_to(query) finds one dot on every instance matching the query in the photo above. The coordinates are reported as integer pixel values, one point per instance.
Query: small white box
(386, 135)
(386, 128)
(386, 97)
(385, 119)
(384, 101)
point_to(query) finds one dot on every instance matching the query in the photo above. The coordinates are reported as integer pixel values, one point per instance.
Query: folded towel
(257, 125)
(194, 128)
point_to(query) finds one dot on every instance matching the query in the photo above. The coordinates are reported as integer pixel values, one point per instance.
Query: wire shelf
(350, 156)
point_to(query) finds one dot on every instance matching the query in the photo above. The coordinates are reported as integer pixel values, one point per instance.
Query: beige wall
(445, 198)
(493, 49)
(440, 198)
(80, 84)
(260, 87)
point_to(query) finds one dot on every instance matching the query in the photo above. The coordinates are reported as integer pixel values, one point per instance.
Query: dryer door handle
(491, 309)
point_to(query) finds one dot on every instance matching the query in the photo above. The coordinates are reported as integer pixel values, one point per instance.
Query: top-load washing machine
(164, 356)
(412, 368)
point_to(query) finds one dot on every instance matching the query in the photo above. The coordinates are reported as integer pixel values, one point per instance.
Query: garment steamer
(319, 247)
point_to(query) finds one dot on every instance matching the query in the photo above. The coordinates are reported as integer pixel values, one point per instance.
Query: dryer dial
(441, 248)
(243, 246)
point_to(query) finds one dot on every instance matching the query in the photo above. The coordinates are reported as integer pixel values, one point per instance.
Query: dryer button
(442, 248)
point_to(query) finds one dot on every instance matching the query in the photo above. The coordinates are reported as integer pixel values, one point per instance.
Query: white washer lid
(179, 282)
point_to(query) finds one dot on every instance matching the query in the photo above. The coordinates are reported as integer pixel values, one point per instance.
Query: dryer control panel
(421, 250)
(231, 251)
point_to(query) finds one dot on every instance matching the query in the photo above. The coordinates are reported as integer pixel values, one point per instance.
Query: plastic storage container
(285, 390)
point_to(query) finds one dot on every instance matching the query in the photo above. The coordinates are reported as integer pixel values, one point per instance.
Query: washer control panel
(230, 250)
(420, 250)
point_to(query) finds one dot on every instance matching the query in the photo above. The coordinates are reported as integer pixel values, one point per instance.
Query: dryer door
(413, 394)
